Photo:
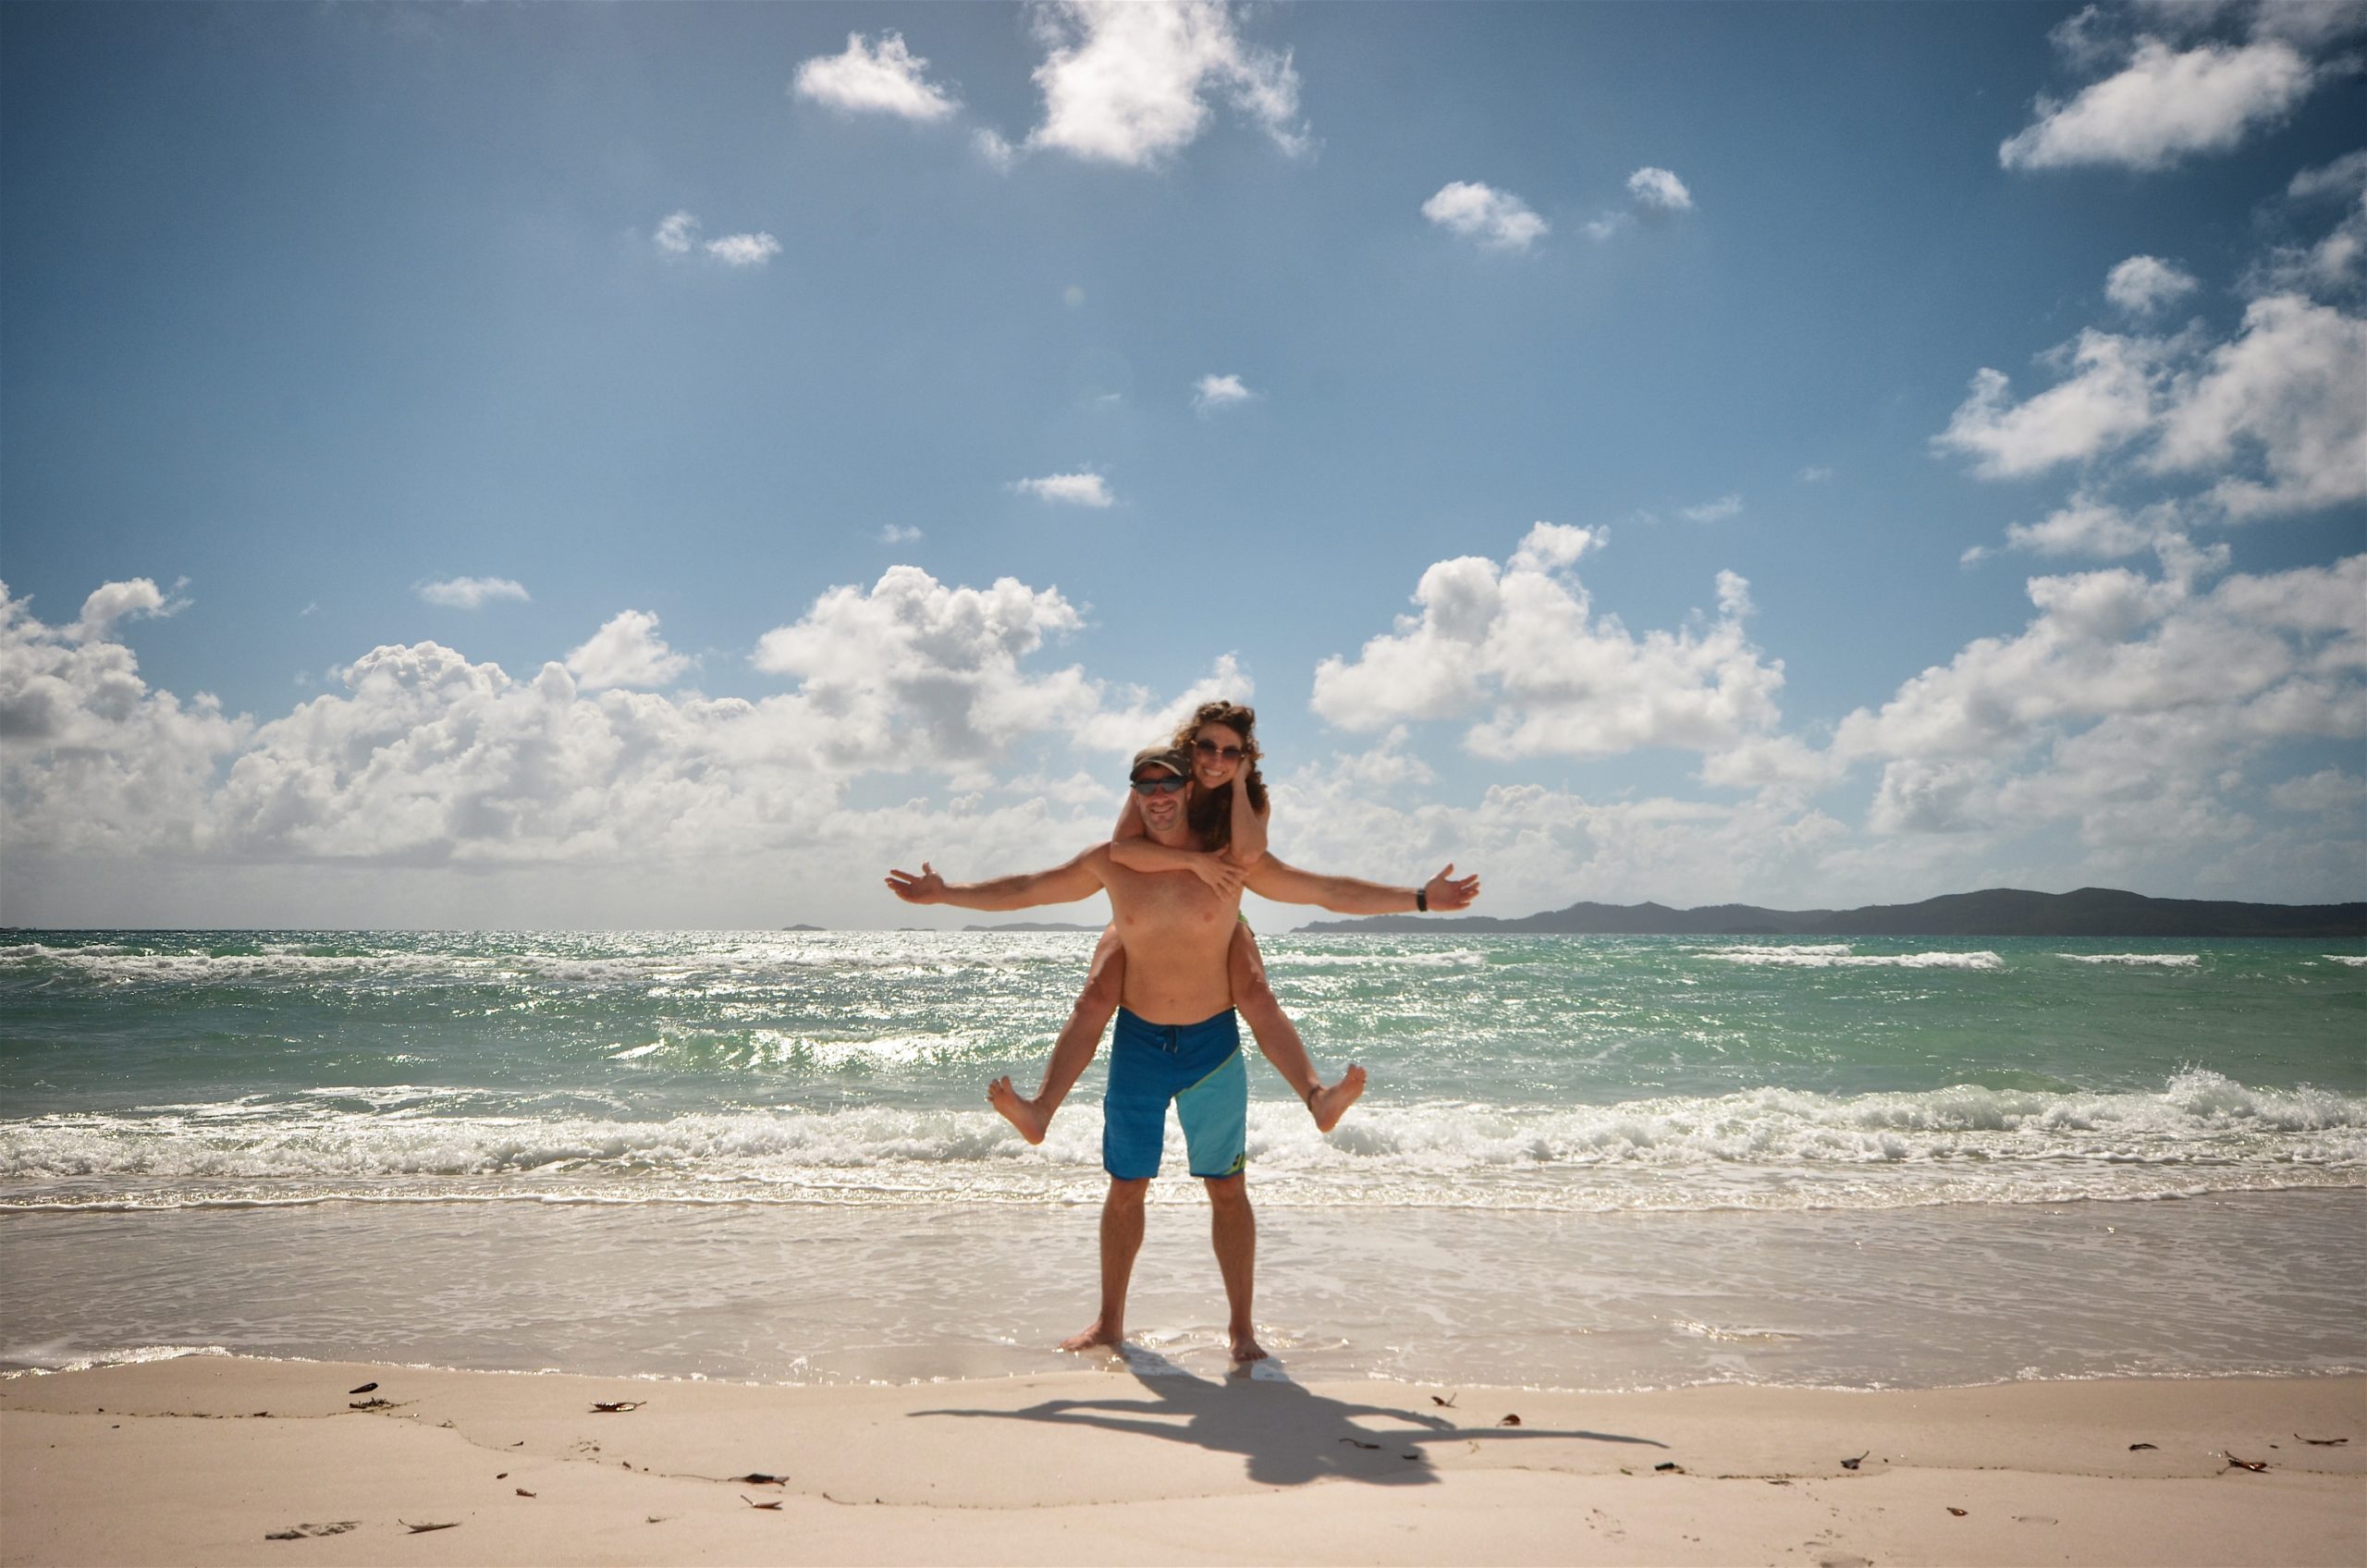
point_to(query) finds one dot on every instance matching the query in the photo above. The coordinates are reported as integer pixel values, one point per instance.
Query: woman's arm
(1130, 821)
(1150, 857)
(1248, 827)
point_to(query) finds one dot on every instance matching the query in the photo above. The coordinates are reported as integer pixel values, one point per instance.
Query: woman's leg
(1278, 1037)
(1104, 984)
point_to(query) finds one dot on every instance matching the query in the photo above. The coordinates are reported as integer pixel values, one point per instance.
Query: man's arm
(1345, 895)
(1079, 878)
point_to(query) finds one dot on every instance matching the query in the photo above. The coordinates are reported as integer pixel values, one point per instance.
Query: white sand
(199, 1460)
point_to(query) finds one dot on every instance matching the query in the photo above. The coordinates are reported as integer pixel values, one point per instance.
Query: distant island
(1994, 912)
(805, 928)
(1034, 926)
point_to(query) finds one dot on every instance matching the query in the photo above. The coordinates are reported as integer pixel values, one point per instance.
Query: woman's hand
(1223, 877)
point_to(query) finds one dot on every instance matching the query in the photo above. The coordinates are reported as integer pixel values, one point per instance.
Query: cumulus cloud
(885, 79)
(998, 153)
(1132, 84)
(2329, 791)
(1520, 650)
(1658, 191)
(626, 652)
(678, 236)
(2286, 390)
(744, 250)
(2106, 401)
(471, 592)
(898, 533)
(2345, 177)
(2088, 526)
(1219, 391)
(2166, 105)
(2142, 285)
(420, 757)
(135, 599)
(1074, 489)
(1496, 219)
(95, 762)
(2126, 706)
(1718, 510)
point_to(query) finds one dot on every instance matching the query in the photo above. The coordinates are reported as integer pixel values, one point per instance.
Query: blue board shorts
(1197, 1065)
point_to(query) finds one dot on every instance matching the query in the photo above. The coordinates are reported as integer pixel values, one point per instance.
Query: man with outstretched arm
(1176, 1036)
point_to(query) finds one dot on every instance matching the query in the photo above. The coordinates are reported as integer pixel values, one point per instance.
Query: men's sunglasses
(1166, 786)
(1210, 749)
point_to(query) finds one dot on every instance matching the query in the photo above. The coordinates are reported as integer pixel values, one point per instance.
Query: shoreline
(1140, 1460)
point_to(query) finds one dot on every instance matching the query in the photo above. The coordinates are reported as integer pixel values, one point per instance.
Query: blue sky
(655, 465)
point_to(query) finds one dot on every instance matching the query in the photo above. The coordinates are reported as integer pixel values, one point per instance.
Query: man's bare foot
(1246, 1347)
(1025, 1115)
(1095, 1336)
(1330, 1104)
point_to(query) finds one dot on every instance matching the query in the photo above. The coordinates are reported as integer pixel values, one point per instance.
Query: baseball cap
(1167, 757)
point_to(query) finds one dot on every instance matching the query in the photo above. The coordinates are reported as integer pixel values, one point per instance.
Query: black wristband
(1421, 900)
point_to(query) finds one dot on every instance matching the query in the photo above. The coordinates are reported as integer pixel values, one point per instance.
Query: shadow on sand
(1285, 1435)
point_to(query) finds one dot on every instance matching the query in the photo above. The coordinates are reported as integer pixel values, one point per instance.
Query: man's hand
(928, 888)
(1446, 891)
(1223, 877)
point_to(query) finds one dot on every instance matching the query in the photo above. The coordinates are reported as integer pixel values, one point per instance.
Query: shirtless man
(1176, 1037)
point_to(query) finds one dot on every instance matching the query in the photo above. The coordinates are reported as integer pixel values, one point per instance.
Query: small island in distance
(1993, 912)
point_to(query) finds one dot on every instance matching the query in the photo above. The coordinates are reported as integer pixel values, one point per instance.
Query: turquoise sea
(1584, 1161)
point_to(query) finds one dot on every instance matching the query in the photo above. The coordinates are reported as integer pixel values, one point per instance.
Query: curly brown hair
(1211, 815)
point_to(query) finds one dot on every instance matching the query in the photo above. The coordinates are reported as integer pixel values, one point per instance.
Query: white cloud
(1659, 190)
(678, 236)
(2087, 526)
(1074, 489)
(1496, 219)
(2345, 177)
(2142, 285)
(1130, 84)
(626, 652)
(1718, 510)
(2165, 105)
(744, 250)
(1523, 647)
(136, 599)
(471, 592)
(2288, 388)
(898, 533)
(1813, 474)
(1219, 391)
(94, 762)
(998, 153)
(2330, 791)
(885, 79)
(423, 758)
(2126, 707)
(1610, 223)
(2106, 402)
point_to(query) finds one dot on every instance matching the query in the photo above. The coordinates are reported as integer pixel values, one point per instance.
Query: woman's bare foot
(1031, 1120)
(1095, 1337)
(1329, 1105)
(1246, 1347)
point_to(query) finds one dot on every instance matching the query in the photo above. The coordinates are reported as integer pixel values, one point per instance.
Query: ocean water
(1588, 1162)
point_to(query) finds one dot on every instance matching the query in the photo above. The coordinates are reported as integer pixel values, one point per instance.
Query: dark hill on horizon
(1993, 912)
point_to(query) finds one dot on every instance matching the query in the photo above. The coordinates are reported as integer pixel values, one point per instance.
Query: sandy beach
(212, 1459)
